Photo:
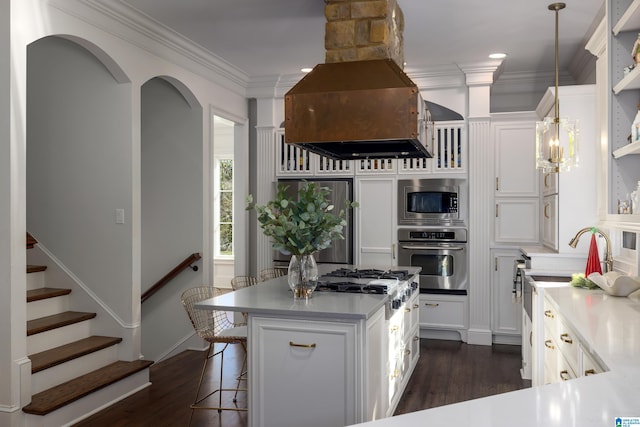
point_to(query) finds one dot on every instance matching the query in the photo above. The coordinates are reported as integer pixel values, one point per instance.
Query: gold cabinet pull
(566, 338)
(431, 304)
(497, 211)
(590, 372)
(564, 375)
(394, 328)
(407, 352)
(546, 210)
(416, 338)
(549, 313)
(407, 310)
(548, 344)
(546, 180)
(293, 344)
(531, 338)
(416, 306)
(497, 183)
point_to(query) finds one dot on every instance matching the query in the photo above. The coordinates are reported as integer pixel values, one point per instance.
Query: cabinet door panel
(376, 221)
(305, 373)
(516, 221)
(516, 173)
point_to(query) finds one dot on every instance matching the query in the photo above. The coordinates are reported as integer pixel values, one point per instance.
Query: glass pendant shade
(557, 139)
(557, 145)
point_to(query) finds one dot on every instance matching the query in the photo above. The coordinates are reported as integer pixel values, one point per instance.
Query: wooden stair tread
(44, 293)
(64, 353)
(31, 241)
(54, 321)
(56, 397)
(35, 268)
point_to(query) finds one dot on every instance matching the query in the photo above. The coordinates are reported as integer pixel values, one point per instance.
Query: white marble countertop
(274, 298)
(611, 327)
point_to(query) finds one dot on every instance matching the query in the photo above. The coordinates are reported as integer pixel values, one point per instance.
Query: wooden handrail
(172, 274)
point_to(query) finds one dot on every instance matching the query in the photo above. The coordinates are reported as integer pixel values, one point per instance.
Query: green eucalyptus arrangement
(303, 226)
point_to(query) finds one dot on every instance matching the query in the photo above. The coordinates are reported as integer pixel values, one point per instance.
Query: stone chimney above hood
(359, 104)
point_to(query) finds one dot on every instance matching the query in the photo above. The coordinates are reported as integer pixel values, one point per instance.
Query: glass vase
(302, 276)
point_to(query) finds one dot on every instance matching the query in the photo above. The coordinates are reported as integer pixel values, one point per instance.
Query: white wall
(80, 167)
(171, 210)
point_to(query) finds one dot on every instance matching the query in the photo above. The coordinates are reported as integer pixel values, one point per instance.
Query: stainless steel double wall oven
(432, 232)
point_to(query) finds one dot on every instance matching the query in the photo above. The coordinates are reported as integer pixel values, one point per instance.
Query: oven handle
(434, 248)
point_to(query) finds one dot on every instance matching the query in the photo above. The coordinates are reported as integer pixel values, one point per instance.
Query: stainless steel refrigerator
(340, 251)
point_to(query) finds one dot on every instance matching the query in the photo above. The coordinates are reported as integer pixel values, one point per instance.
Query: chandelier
(556, 138)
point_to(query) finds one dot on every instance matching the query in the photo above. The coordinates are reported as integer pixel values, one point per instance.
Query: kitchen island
(337, 359)
(609, 329)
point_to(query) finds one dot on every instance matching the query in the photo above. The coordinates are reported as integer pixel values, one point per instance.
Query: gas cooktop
(368, 273)
(364, 281)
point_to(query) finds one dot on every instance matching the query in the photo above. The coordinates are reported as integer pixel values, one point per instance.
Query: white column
(15, 366)
(479, 78)
(265, 173)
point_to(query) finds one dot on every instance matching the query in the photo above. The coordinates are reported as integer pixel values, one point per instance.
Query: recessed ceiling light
(497, 55)
(306, 69)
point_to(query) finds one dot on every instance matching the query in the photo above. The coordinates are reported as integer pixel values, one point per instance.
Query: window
(223, 208)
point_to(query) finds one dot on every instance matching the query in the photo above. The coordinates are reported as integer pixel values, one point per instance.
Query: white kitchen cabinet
(550, 221)
(376, 220)
(516, 220)
(569, 197)
(516, 186)
(308, 371)
(565, 356)
(506, 308)
(444, 313)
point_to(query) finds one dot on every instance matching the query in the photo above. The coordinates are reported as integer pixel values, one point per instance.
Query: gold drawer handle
(549, 313)
(407, 310)
(292, 344)
(548, 344)
(416, 338)
(546, 211)
(407, 352)
(394, 328)
(564, 375)
(590, 372)
(396, 374)
(431, 304)
(566, 338)
(416, 306)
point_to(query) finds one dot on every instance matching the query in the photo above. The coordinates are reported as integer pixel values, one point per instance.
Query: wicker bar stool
(272, 273)
(239, 282)
(214, 327)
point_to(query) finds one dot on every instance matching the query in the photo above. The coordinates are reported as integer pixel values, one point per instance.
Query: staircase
(73, 372)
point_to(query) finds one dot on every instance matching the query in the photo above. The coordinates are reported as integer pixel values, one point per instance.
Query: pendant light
(556, 138)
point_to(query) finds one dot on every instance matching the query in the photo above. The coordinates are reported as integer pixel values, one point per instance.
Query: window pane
(226, 239)
(226, 174)
(226, 207)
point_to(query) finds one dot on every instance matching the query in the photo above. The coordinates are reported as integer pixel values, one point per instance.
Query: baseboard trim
(479, 337)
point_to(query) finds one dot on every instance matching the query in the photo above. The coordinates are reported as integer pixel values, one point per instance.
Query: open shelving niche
(624, 99)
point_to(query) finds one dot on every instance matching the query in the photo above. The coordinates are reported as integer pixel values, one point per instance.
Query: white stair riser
(35, 280)
(57, 337)
(47, 307)
(74, 368)
(88, 405)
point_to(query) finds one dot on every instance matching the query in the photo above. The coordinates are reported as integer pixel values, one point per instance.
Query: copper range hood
(357, 110)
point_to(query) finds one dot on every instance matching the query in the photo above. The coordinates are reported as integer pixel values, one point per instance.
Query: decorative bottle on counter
(635, 209)
(635, 127)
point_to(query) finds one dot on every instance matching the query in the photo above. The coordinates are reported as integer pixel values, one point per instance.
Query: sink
(540, 278)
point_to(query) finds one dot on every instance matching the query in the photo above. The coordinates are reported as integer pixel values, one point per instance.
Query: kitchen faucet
(608, 259)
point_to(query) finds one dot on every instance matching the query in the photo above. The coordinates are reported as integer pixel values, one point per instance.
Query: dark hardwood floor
(447, 372)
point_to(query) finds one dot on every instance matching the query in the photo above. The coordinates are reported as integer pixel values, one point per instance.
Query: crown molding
(439, 77)
(158, 40)
(482, 73)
